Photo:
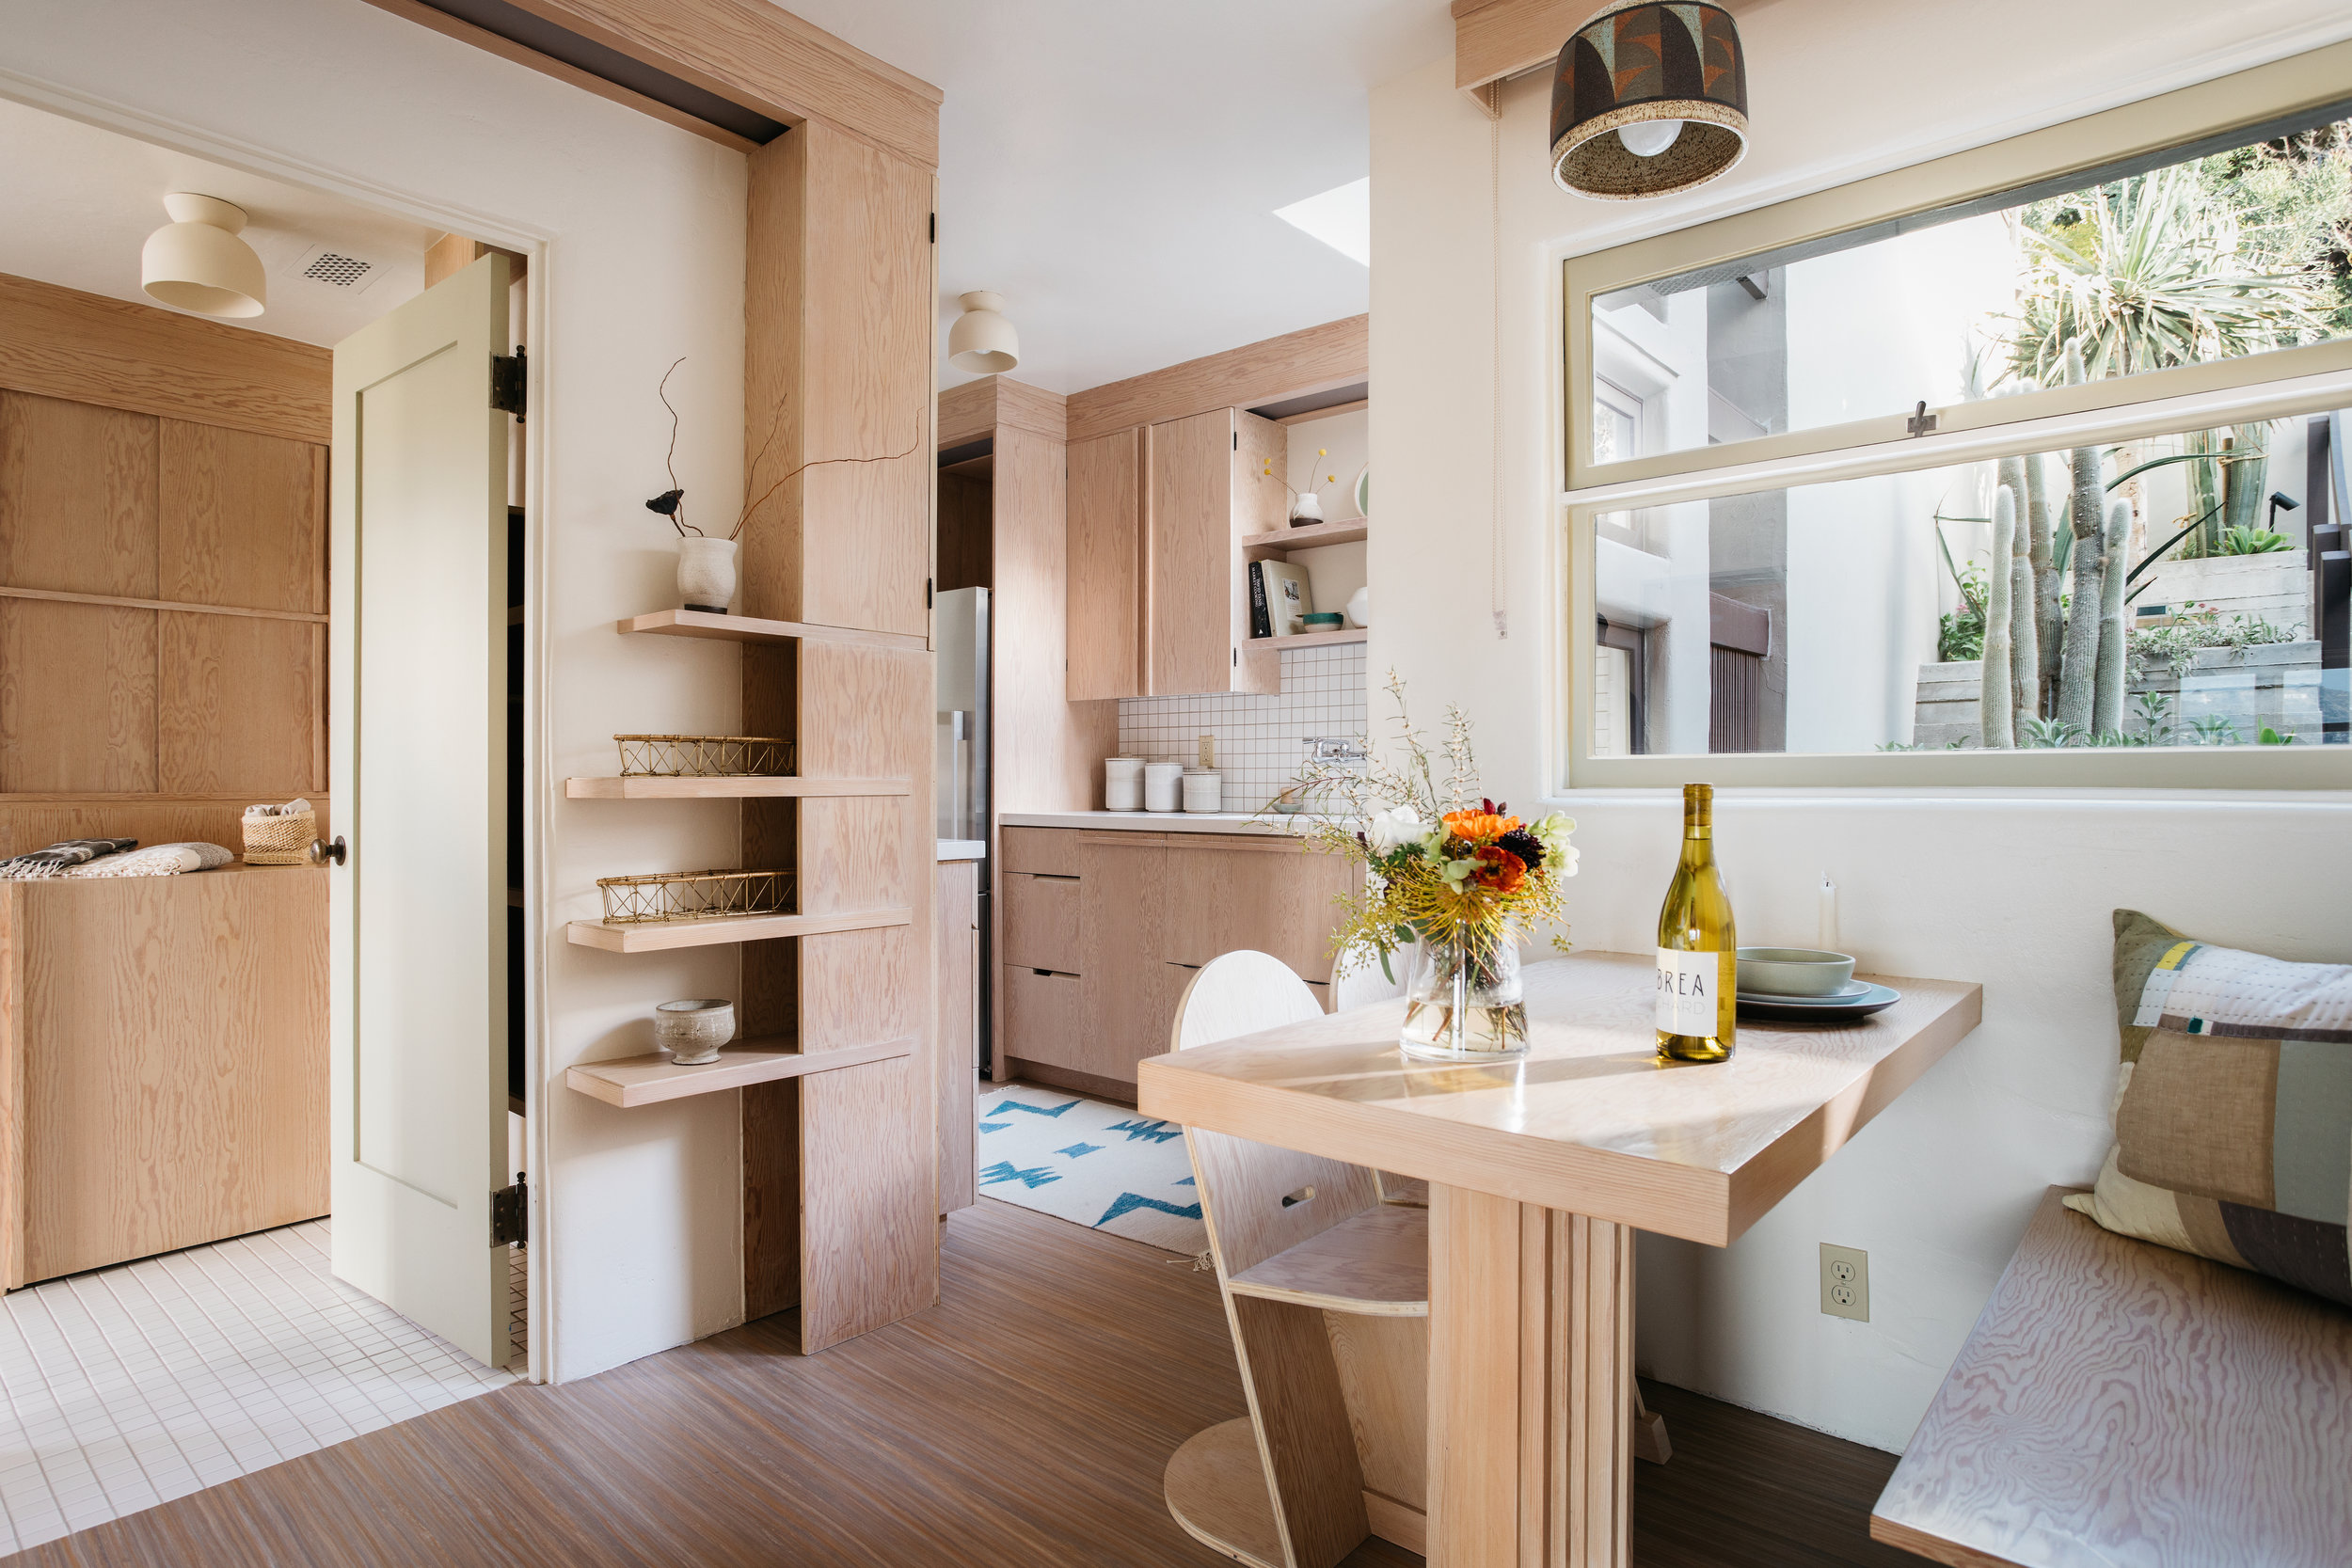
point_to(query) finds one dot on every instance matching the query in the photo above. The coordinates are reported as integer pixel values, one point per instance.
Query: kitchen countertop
(1152, 822)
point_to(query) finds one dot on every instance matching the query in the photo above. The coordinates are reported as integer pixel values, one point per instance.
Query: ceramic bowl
(1793, 971)
(693, 1031)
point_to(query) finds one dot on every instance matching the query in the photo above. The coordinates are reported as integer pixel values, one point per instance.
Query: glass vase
(1464, 1001)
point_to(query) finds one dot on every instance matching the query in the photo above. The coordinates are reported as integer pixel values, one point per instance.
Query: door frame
(531, 243)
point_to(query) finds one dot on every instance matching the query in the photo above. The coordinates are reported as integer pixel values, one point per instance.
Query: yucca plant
(2148, 273)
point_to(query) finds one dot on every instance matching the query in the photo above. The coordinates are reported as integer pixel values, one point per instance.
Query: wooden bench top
(2119, 1403)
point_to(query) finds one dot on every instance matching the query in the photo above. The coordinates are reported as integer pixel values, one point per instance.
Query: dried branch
(817, 463)
(669, 462)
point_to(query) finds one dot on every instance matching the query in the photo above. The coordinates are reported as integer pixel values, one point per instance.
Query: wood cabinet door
(1195, 645)
(1108, 610)
(1045, 1019)
(1042, 922)
(1130, 987)
(1224, 896)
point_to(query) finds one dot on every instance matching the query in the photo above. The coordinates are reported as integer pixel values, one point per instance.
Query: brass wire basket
(671, 895)
(704, 756)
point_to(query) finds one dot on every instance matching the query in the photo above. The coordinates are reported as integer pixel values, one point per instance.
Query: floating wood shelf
(1312, 639)
(648, 1080)
(744, 629)
(660, 936)
(1256, 547)
(1375, 1263)
(742, 786)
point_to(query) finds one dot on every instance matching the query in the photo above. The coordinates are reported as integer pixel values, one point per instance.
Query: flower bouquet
(1459, 875)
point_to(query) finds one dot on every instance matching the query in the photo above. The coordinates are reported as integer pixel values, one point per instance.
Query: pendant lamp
(197, 262)
(1648, 100)
(982, 341)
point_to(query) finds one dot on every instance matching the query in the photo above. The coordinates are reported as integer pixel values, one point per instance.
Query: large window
(2138, 597)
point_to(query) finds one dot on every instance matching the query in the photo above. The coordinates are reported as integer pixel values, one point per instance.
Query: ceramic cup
(693, 1031)
(1793, 971)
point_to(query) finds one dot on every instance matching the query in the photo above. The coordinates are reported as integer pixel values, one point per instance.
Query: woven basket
(280, 840)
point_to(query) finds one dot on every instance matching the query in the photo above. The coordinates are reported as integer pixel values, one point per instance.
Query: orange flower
(1478, 826)
(1499, 869)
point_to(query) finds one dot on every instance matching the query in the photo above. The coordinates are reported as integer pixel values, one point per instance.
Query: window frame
(2243, 100)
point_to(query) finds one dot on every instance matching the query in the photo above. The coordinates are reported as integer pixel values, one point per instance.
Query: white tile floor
(131, 1385)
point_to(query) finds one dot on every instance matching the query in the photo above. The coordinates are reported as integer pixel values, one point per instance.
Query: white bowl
(693, 1031)
(1793, 971)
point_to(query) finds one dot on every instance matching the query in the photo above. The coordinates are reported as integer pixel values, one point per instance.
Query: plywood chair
(1326, 1290)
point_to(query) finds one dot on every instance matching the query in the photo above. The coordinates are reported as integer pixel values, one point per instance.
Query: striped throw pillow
(2234, 1119)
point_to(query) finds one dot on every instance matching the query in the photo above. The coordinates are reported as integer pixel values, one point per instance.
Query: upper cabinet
(1159, 589)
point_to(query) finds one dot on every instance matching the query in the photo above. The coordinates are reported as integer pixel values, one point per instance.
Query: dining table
(1540, 1171)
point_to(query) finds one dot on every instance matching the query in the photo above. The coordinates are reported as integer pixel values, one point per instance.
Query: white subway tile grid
(1261, 740)
(135, 1384)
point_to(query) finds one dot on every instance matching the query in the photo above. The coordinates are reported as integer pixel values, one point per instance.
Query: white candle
(1829, 915)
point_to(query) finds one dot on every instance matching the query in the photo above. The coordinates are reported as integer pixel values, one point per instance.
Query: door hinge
(509, 375)
(934, 229)
(927, 593)
(509, 1206)
(1236, 658)
(1237, 440)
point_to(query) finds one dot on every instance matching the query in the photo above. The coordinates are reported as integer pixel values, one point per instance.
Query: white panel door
(419, 772)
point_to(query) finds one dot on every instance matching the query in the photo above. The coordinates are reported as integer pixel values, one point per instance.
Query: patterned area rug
(1094, 1164)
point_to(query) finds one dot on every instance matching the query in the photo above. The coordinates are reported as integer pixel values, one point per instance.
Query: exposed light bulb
(1649, 137)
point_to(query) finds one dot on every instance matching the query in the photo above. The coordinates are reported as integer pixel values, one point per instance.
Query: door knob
(322, 852)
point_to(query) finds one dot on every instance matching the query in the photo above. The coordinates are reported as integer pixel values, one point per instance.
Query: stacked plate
(1802, 985)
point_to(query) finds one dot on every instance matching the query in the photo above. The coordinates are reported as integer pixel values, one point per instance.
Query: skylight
(1340, 217)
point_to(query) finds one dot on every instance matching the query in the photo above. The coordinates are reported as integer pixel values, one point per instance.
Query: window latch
(1921, 421)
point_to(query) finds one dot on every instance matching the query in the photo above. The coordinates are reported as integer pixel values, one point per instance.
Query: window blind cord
(1494, 207)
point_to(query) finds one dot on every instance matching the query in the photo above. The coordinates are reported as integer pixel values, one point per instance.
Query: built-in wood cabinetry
(958, 913)
(1159, 588)
(1103, 930)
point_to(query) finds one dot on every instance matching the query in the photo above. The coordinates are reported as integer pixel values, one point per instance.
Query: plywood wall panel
(242, 519)
(238, 707)
(77, 698)
(77, 497)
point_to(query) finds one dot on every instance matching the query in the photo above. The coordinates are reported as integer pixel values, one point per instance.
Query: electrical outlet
(1846, 1282)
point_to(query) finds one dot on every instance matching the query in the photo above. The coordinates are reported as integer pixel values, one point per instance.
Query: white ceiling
(1112, 167)
(77, 203)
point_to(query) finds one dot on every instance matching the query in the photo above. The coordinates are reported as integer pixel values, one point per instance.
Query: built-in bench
(2122, 1404)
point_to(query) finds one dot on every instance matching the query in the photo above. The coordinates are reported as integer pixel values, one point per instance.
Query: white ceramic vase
(1306, 507)
(706, 573)
(1359, 607)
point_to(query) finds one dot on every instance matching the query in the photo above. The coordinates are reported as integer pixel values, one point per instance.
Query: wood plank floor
(1023, 1422)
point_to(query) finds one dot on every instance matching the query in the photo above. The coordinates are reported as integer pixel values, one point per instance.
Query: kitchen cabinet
(1159, 586)
(1150, 908)
(957, 914)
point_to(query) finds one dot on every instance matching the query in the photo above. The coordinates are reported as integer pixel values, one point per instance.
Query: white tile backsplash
(1261, 741)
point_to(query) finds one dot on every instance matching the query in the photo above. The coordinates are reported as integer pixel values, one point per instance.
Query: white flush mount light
(982, 341)
(197, 262)
(1340, 217)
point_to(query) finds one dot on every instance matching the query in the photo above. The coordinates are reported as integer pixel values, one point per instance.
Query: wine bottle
(1698, 953)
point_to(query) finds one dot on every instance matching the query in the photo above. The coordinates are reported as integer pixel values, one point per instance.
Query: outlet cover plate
(1846, 1282)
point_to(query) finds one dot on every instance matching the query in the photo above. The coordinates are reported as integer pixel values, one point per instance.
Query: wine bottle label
(1687, 984)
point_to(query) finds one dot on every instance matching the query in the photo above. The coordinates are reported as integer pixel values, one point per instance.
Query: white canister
(1123, 784)
(1163, 786)
(1204, 789)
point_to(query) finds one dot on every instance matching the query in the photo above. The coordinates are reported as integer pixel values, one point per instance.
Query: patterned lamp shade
(1626, 76)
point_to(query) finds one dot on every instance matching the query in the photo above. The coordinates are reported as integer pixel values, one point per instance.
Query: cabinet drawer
(1045, 1019)
(1043, 851)
(1042, 922)
(1270, 897)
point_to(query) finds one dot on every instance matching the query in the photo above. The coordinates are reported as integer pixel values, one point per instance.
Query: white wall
(2014, 893)
(641, 1212)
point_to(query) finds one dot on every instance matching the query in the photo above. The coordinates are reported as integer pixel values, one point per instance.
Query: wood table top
(1588, 1121)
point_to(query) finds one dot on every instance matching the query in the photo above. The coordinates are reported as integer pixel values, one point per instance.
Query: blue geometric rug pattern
(1092, 1163)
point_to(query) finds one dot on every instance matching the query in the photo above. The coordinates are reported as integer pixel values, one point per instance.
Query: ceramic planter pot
(706, 573)
(693, 1031)
(1306, 507)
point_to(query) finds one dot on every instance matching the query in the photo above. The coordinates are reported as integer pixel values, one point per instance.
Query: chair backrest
(1238, 994)
(1259, 1200)
(1357, 980)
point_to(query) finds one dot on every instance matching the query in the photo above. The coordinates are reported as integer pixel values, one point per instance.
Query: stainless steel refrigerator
(960, 630)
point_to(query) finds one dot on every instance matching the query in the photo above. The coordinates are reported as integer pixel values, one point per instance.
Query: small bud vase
(706, 573)
(1465, 1001)
(1306, 507)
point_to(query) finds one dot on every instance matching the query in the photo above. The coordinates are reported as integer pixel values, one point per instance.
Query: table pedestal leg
(1531, 1386)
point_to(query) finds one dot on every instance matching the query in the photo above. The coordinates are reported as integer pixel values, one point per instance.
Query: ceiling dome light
(982, 341)
(1648, 100)
(197, 262)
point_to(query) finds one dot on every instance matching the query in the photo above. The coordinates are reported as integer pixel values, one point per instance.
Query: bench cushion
(2234, 1119)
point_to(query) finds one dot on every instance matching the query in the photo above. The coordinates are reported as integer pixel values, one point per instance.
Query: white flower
(1392, 830)
(1559, 855)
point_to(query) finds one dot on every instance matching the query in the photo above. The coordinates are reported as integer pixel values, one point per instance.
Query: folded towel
(156, 859)
(58, 859)
(295, 807)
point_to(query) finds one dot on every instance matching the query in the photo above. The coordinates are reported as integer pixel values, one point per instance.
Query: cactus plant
(2078, 658)
(2106, 707)
(2047, 631)
(1996, 700)
(2024, 636)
